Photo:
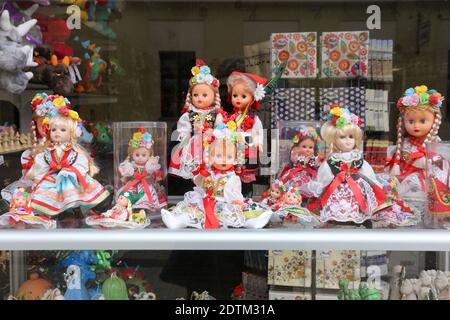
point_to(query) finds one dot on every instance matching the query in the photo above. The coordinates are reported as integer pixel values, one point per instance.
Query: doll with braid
(201, 114)
(418, 124)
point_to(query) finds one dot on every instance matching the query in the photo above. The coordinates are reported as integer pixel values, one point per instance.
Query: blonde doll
(345, 182)
(138, 172)
(245, 92)
(418, 124)
(62, 170)
(21, 214)
(201, 114)
(217, 200)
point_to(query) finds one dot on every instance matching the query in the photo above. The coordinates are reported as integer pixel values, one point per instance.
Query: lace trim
(347, 156)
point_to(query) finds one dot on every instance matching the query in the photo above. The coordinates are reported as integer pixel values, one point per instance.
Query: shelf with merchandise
(227, 239)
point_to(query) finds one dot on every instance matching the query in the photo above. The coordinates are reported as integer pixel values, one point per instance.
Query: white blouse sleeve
(39, 169)
(126, 168)
(324, 178)
(367, 171)
(184, 126)
(152, 164)
(81, 164)
(233, 190)
(391, 151)
(219, 120)
(258, 132)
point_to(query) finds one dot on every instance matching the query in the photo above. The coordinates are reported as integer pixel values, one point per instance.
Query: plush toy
(55, 34)
(14, 55)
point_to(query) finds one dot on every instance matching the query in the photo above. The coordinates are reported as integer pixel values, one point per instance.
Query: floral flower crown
(295, 190)
(421, 97)
(50, 106)
(201, 73)
(21, 192)
(279, 185)
(306, 132)
(141, 139)
(340, 117)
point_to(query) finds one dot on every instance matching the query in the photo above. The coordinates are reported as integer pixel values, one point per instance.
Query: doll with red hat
(202, 112)
(246, 92)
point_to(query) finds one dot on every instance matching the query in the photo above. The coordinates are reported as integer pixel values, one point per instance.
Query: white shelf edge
(231, 239)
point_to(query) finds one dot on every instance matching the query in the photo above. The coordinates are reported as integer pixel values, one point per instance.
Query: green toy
(114, 288)
(364, 292)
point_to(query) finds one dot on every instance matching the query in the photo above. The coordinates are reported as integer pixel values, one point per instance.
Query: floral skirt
(12, 220)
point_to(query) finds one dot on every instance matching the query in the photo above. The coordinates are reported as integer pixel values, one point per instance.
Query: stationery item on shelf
(344, 54)
(254, 286)
(380, 60)
(62, 170)
(257, 58)
(299, 50)
(297, 104)
(20, 214)
(346, 184)
(418, 124)
(289, 268)
(352, 97)
(121, 215)
(16, 56)
(289, 295)
(217, 200)
(377, 110)
(438, 183)
(331, 266)
(202, 112)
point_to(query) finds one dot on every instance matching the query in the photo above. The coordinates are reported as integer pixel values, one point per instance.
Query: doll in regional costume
(62, 171)
(217, 199)
(21, 214)
(139, 170)
(275, 196)
(246, 92)
(418, 124)
(201, 114)
(346, 183)
(121, 215)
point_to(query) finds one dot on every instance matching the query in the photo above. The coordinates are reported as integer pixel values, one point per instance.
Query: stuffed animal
(14, 55)
(407, 290)
(55, 34)
(59, 74)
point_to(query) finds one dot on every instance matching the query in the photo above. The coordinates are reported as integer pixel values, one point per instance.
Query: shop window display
(102, 101)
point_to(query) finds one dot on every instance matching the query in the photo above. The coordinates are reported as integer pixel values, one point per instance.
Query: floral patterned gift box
(333, 265)
(299, 49)
(345, 54)
(289, 268)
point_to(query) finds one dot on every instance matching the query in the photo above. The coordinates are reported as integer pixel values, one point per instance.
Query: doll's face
(306, 147)
(275, 193)
(141, 156)
(241, 96)
(418, 123)
(292, 198)
(20, 201)
(202, 96)
(122, 201)
(345, 142)
(223, 155)
(59, 132)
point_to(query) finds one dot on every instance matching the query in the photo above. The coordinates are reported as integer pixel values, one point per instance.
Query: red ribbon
(345, 174)
(219, 171)
(140, 178)
(211, 221)
(201, 170)
(299, 168)
(56, 166)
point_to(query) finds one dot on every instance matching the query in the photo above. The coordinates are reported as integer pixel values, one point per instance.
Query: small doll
(346, 184)
(121, 215)
(138, 172)
(62, 170)
(418, 124)
(275, 196)
(201, 114)
(246, 92)
(21, 215)
(217, 199)
(292, 212)
(439, 189)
